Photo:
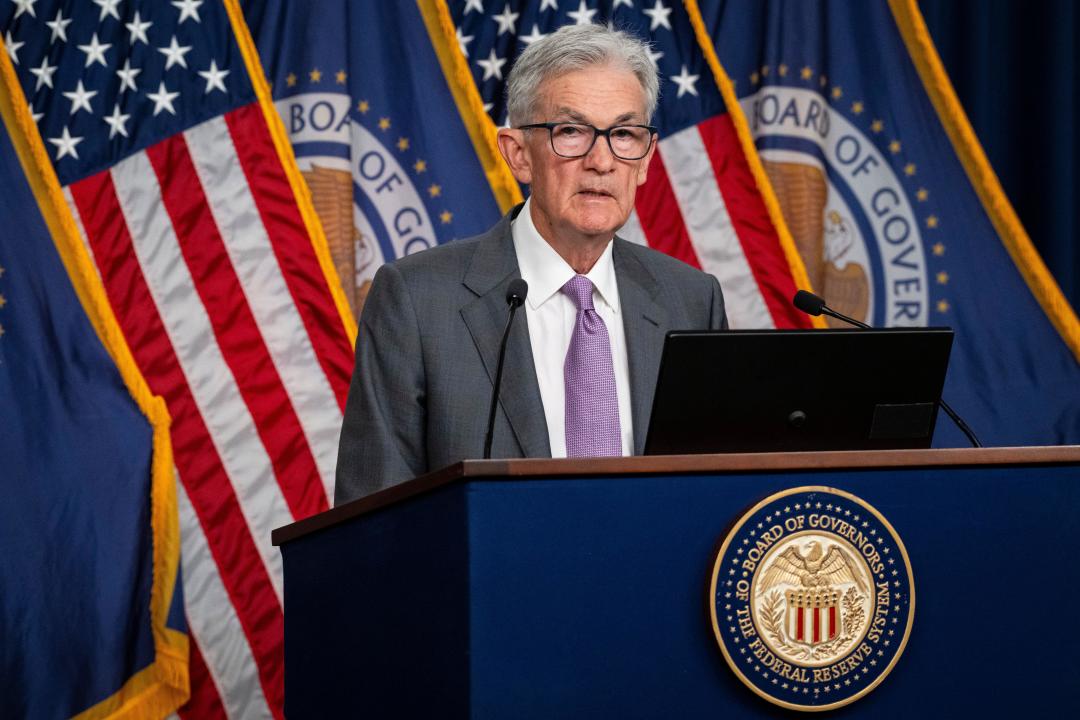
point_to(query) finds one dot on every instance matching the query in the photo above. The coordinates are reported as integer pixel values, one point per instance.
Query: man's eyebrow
(570, 114)
(577, 117)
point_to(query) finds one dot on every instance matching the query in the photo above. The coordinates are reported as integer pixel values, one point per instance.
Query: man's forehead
(582, 95)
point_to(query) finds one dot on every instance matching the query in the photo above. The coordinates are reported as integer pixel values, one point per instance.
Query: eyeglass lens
(626, 142)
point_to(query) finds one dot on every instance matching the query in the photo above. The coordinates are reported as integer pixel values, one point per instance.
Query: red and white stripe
(251, 252)
(813, 625)
(701, 205)
(225, 665)
(211, 273)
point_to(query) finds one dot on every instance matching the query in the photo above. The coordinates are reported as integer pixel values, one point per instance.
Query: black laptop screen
(798, 390)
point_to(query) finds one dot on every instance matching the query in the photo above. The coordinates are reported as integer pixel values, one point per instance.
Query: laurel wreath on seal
(772, 619)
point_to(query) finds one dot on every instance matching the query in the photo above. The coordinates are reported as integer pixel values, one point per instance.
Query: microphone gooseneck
(516, 292)
(812, 304)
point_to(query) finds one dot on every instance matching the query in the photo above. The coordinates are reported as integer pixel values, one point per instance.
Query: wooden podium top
(675, 465)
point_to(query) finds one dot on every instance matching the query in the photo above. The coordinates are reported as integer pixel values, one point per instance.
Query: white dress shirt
(552, 316)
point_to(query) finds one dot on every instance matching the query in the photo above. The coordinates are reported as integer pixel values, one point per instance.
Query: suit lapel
(492, 268)
(646, 323)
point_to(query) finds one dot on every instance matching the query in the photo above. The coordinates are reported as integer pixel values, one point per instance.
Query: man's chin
(599, 225)
(597, 233)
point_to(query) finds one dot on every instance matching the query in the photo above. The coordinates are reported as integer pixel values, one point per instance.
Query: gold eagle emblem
(816, 569)
(824, 239)
(332, 196)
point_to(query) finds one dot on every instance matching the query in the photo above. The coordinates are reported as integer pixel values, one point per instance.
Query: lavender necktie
(592, 405)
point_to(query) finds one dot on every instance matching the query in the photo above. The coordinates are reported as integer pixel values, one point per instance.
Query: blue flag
(396, 158)
(897, 215)
(90, 611)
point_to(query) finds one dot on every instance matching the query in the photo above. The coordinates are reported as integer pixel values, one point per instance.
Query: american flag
(701, 202)
(158, 124)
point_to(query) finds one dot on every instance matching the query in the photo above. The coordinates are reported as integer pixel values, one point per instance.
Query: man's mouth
(594, 193)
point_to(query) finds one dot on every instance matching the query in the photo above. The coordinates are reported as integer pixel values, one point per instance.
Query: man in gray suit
(581, 366)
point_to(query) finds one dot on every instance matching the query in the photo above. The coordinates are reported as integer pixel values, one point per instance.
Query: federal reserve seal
(853, 212)
(367, 185)
(812, 598)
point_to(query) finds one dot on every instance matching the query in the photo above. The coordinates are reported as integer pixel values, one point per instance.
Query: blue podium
(581, 589)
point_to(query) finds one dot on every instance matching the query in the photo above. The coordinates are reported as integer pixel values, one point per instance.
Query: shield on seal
(813, 615)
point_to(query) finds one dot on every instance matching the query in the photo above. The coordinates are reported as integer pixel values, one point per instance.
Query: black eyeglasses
(574, 140)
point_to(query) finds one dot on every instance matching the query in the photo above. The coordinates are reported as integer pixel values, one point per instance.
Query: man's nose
(600, 156)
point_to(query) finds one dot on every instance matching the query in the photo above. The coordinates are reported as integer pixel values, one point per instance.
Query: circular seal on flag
(364, 189)
(812, 598)
(853, 211)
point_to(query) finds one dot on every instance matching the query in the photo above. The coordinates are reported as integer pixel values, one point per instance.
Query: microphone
(812, 304)
(516, 292)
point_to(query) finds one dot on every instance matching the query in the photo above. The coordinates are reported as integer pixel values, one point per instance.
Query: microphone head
(516, 292)
(808, 302)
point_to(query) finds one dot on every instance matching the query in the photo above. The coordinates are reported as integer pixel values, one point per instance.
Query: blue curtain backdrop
(1014, 64)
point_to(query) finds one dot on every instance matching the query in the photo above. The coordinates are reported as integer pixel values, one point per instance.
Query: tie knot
(579, 289)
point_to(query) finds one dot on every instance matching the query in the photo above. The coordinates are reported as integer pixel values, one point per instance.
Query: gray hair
(574, 47)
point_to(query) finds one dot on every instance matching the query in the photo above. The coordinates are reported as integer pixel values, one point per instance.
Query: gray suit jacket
(428, 345)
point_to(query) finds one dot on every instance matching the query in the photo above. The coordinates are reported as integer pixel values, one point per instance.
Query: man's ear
(643, 166)
(514, 151)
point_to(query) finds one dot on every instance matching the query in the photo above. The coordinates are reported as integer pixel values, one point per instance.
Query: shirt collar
(545, 270)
